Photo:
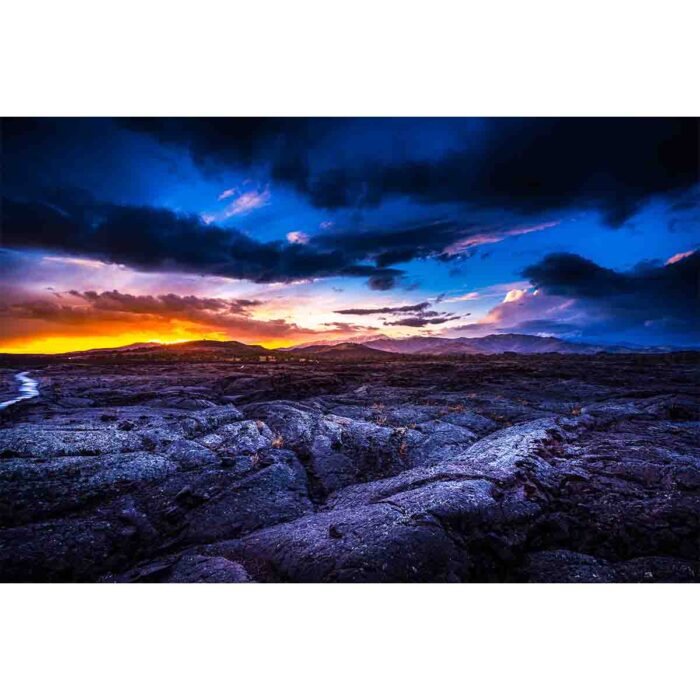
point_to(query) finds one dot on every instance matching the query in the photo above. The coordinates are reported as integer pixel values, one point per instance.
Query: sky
(286, 231)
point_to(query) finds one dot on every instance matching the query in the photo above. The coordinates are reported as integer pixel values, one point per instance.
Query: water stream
(28, 389)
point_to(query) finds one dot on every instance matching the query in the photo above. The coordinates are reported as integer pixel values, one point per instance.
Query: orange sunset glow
(60, 344)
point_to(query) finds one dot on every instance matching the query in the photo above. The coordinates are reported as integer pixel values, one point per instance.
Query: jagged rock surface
(503, 468)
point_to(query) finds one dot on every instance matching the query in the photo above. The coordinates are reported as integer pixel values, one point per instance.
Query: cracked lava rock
(506, 468)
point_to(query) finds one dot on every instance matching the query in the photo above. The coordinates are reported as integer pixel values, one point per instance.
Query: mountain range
(367, 348)
(345, 351)
(487, 345)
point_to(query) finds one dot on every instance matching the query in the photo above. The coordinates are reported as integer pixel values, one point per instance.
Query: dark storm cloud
(672, 288)
(92, 309)
(152, 238)
(527, 166)
(348, 327)
(397, 244)
(164, 303)
(423, 320)
(385, 310)
(156, 239)
(240, 141)
(382, 283)
(667, 296)
(651, 304)
(412, 315)
(571, 275)
(520, 167)
(446, 241)
(537, 165)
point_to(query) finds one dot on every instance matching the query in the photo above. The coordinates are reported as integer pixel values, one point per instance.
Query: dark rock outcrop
(507, 468)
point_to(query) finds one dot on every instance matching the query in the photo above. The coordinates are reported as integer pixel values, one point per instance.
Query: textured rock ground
(501, 468)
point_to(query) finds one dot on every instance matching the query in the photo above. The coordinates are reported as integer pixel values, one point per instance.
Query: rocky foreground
(501, 468)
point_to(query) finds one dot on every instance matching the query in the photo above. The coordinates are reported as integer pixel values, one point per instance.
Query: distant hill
(356, 339)
(232, 347)
(191, 347)
(487, 345)
(121, 348)
(341, 351)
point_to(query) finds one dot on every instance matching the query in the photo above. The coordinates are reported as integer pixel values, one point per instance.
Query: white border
(368, 57)
(387, 641)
